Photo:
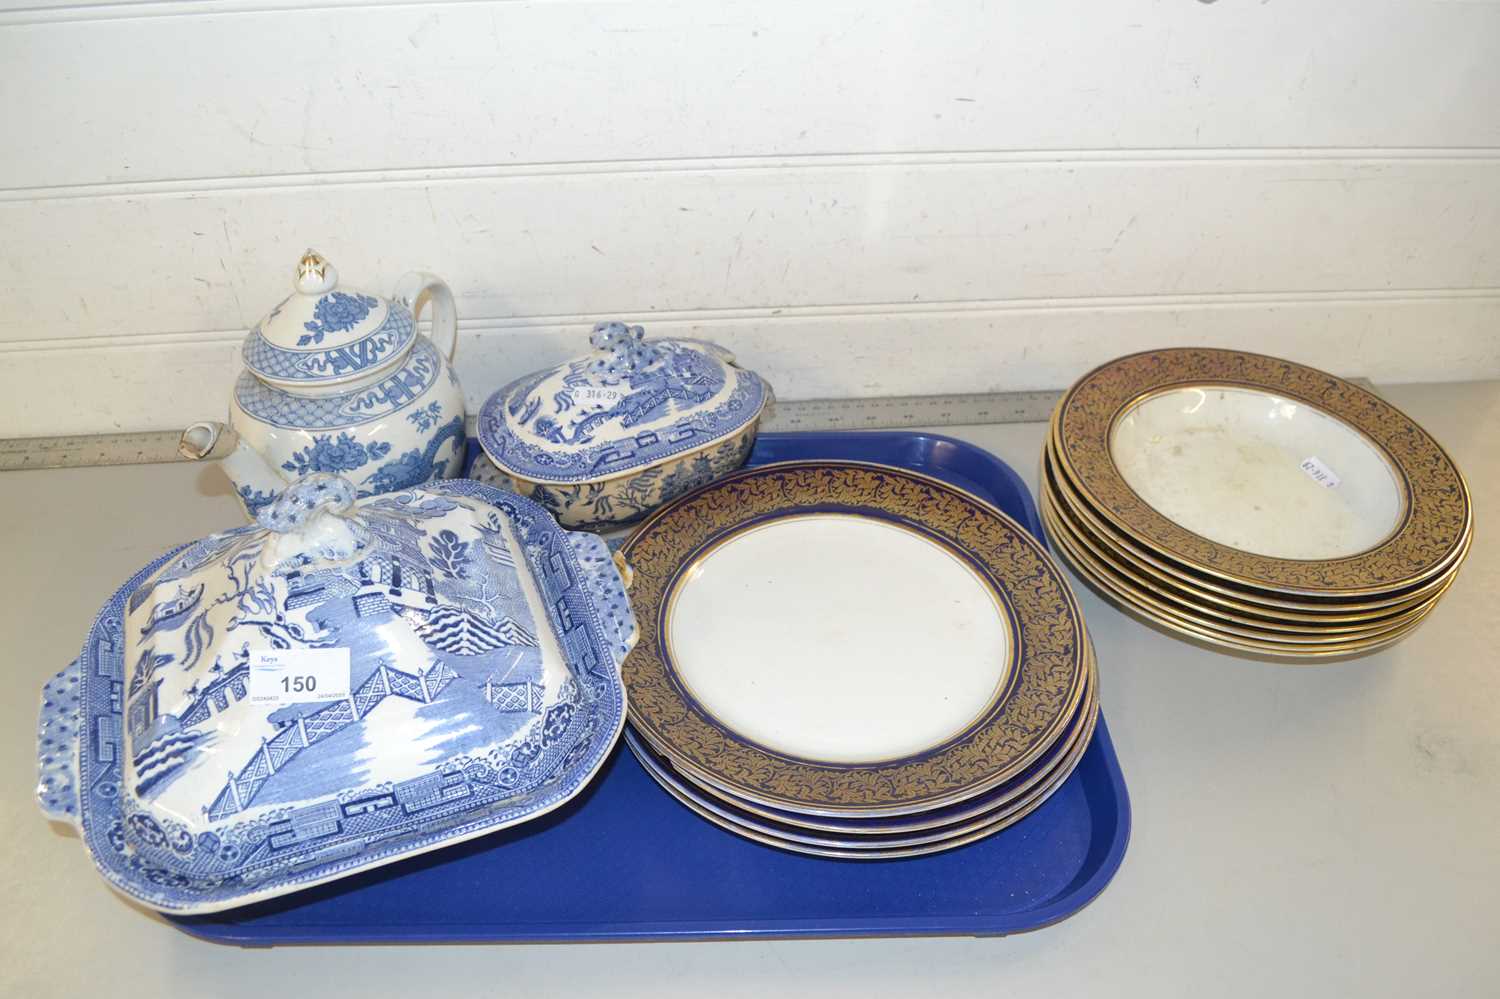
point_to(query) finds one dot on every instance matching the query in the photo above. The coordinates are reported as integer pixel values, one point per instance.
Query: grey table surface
(1328, 830)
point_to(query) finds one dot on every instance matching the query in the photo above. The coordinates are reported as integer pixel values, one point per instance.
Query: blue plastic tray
(624, 861)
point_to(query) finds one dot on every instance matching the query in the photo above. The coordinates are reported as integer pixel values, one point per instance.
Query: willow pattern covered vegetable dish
(608, 437)
(346, 683)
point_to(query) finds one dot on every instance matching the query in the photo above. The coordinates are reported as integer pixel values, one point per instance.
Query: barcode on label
(1320, 473)
(289, 676)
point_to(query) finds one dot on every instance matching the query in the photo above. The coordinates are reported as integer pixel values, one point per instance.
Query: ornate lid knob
(315, 275)
(620, 350)
(308, 523)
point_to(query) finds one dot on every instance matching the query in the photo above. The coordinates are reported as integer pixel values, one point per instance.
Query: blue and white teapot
(340, 381)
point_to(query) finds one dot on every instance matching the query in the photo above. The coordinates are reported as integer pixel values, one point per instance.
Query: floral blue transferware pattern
(439, 456)
(335, 313)
(342, 455)
(338, 380)
(345, 455)
(428, 589)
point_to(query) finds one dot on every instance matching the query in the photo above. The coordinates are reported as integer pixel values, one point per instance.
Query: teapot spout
(253, 477)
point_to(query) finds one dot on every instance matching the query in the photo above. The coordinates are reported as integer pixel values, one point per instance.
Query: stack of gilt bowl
(1252, 503)
(853, 660)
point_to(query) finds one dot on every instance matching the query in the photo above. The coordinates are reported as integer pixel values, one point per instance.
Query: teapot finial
(315, 275)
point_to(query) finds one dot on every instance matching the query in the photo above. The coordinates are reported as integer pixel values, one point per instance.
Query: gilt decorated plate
(1198, 626)
(839, 638)
(1219, 596)
(980, 811)
(1187, 599)
(1263, 474)
(893, 848)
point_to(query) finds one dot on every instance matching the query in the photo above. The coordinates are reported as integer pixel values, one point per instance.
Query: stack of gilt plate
(853, 660)
(1253, 503)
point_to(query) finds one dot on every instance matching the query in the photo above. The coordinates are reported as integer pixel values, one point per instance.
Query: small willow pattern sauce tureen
(345, 684)
(340, 381)
(608, 437)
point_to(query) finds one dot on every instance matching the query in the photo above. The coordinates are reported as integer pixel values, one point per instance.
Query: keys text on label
(289, 676)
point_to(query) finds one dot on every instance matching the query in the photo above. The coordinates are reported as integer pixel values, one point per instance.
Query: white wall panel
(637, 243)
(167, 382)
(117, 98)
(863, 198)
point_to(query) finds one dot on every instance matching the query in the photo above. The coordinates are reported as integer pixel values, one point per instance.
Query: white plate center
(838, 638)
(1257, 472)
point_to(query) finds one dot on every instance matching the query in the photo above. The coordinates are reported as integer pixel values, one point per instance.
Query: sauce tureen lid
(349, 671)
(323, 334)
(630, 404)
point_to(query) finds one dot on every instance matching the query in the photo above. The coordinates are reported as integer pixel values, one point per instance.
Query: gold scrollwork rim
(1001, 819)
(1047, 676)
(1070, 739)
(1115, 593)
(1142, 570)
(1152, 600)
(1253, 601)
(1438, 510)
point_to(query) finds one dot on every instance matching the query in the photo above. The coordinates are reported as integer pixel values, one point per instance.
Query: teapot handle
(409, 291)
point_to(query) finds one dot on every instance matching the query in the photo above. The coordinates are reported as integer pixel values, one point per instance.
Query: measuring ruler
(149, 447)
(913, 411)
(893, 412)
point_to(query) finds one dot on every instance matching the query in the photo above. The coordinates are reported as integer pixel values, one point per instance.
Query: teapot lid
(323, 334)
(628, 405)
